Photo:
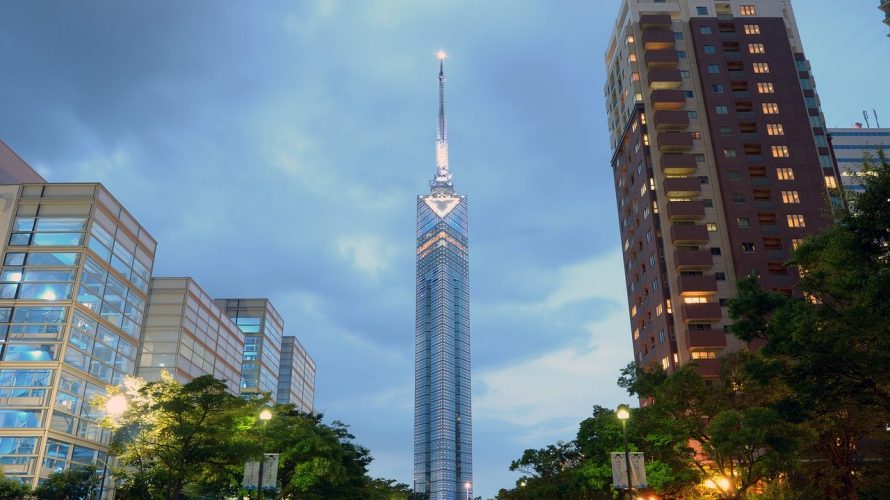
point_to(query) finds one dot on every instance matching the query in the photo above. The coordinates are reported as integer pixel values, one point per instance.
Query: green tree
(176, 439)
(70, 484)
(12, 489)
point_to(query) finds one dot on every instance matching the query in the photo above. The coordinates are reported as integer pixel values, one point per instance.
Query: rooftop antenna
(865, 115)
(877, 123)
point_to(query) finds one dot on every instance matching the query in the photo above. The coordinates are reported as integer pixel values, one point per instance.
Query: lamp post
(265, 416)
(623, 413)
(467, 487)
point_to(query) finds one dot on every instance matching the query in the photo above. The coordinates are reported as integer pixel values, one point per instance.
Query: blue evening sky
(276, 149)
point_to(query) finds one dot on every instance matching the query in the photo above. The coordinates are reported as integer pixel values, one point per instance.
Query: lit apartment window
(632, 58)
(712, 228)
(654, 207)
(643, 118)
(704, 355)
(763, 88)
(659, 310)
(743, 221)
(696, 136)
(695, 300)
(633, 311)
(756, 48)
(638, 97)
(790, 197)
(636, 333)
(775, 129)
(652, 183)
(666, 362)
(748, 10)
(752, 29)
(796, 221)
(796, 242)
(729, 153)
(630, 39)
(646, 139)
(635, 76)
(761, 67)
(748, 247)
(780, 152)
(830, 182)
(785, 174)
(770, 108)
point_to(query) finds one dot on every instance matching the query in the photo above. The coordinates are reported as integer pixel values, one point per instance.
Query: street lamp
(623, 413)
(115, 406)
(265, 416)
(467, 487)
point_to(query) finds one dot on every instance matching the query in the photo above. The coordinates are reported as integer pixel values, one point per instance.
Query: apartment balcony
(697, 286)
(690, 260)
(671, 120)
(689, 234)
(665, 79)
(685, 210)
(709, 311)
(885, 6)
(661, 59)
(705, 339)
(708, 368)
(650, 21)
(668, 99)
(674, 142)
(682, 187)
(655, 39)
(677, 164)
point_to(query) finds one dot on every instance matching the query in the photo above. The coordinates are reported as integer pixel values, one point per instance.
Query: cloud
(368, 254)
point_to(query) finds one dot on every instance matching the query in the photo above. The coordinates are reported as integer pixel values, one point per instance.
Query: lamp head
(623, 412)
(266, 415)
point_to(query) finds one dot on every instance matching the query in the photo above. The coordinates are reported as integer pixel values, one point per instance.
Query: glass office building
(73, 289)
(443, 464)
(296, 376)
(262, 327)
(188, 335)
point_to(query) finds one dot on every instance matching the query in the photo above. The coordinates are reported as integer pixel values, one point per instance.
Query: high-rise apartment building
(73, 291)
(850, 146)
(443, 462)
(885, 6)
(720, 163)
(296, 376)
(262, 327)
(188, 335)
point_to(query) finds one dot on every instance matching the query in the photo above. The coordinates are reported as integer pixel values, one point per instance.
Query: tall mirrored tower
(443, 462)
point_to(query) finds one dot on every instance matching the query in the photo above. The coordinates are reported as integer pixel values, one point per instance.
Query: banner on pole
(637, 471)
(270, 473)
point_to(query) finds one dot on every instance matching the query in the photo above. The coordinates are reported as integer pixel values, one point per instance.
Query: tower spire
(443, 174)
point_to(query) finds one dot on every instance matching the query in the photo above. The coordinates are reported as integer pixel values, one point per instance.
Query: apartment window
(681, 54)
(729, 153)
(635, 76)
(830, 182)
(630, 39)
(638, 97)
(756, 48)
(752, 29)
(821, 141)
(702, 11)
(785, 174)
(693, 115)
(696, 136)
(707, 202)
(704, 179)
(748, 247)
(761, 67)
(721, 110)
(710, 49)
(796, 242)
(725, 131)
(796, 221)
(775, 129)
(720, 276)
(661, 337)
(715, 251)
(743, 221)
(688, 93)
(655, 285)
(705, 30)
(684, 73)
(762, 87)
(652, 260)
(645, 139)
(632, 57)
(712, 228)
(738, 198)
(770, 108)
(678, 35)
(718, 89)
(699, 158)
(748, 10)
(780, 152)
(713, 68)
(790, 197)
(695, 300)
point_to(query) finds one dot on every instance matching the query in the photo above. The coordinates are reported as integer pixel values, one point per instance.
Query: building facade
(720, 161)
(73, 291)
(296, 376)
(884, 5)
(188, 335)
(443, 462)
(850, 145)
(262, 327)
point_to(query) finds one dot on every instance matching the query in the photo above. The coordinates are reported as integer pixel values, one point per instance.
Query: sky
(275, 150)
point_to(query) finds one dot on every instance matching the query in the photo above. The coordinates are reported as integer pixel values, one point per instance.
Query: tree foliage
(71, 484)
(12, 489)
